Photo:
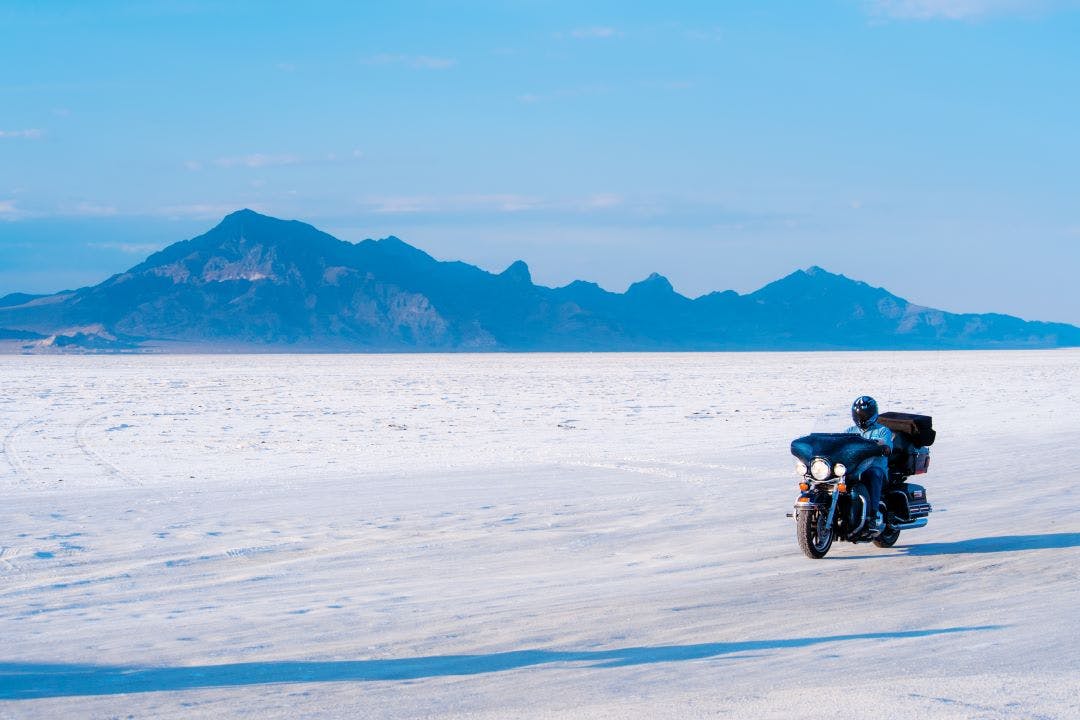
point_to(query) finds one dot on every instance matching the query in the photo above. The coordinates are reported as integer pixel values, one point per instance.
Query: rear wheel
(815, 538)
(887, 538)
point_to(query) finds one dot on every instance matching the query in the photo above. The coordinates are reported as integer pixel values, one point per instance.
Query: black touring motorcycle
(829, 508)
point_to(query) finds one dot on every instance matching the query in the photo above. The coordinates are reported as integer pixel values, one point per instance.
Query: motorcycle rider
(864, 413)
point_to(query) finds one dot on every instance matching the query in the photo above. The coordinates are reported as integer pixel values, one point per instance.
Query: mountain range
(259, 283)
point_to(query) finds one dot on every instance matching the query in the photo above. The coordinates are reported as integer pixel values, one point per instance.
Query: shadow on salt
(1003, 543)
(23, 681)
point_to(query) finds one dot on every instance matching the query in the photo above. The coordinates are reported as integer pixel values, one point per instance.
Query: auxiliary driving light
(800, 467)
(839, 469)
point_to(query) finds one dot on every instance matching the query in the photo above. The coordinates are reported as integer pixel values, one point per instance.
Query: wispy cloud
(590, 33)
(397, 204)
(669, 85)
(333, 157)
(418, 62)
(490, 203)
(603, 201)
(89, 209)
(953, 9)
(264, 160)
(508, 203)
(9, 210)
(433, 63)
(406, 204)
(532, 98)
(258, 160)
(202, 211)
(129, 248)
(713, 34)
(267, 160)
(29, 134)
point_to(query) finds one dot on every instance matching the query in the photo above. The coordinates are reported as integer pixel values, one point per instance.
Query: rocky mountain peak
(518, 272)
(654, 284)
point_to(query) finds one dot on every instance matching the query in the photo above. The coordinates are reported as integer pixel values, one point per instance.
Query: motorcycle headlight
(800, 467)
(839, 469)
(820, 469)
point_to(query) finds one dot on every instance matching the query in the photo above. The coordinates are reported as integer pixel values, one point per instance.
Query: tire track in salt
(5, 565)
(110, 469)
(12, 456)
(700, 475)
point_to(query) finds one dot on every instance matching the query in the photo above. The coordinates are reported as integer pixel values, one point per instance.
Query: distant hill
(17, 298)
(256, 282)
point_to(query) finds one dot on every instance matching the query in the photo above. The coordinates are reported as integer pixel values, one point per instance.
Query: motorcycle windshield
(835, 420)
(844, 448)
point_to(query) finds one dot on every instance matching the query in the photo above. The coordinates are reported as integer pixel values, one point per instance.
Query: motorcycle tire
(814, 538)
(887, 538)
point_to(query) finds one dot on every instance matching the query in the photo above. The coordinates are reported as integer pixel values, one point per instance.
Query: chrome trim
(862, 522)
(913, 525)
(810, 469)
(832, 508)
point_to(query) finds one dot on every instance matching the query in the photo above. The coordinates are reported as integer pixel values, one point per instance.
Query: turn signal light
(842, 487)
(803, 500)
(804, 486)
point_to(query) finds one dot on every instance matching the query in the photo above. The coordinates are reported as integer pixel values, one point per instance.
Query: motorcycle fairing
(846, 448)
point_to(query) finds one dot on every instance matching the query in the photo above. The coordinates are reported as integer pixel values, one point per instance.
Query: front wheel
(887, 538)
(814, 537)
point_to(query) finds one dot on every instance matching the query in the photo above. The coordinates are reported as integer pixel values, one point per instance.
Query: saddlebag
(908, 501)
(918, 504)
(909, 460)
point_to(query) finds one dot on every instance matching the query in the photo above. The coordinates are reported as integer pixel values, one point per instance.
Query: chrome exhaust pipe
(917, 523)
(862, 520)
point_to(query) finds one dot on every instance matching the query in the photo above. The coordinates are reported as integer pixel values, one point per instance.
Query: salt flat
(493, 536)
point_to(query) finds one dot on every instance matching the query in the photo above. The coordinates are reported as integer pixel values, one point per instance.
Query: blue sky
(927, 146)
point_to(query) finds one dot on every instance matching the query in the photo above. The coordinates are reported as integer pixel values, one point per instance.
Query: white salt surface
(541, 536)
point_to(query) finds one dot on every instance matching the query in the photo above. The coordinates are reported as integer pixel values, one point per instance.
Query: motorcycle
(832, 504)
